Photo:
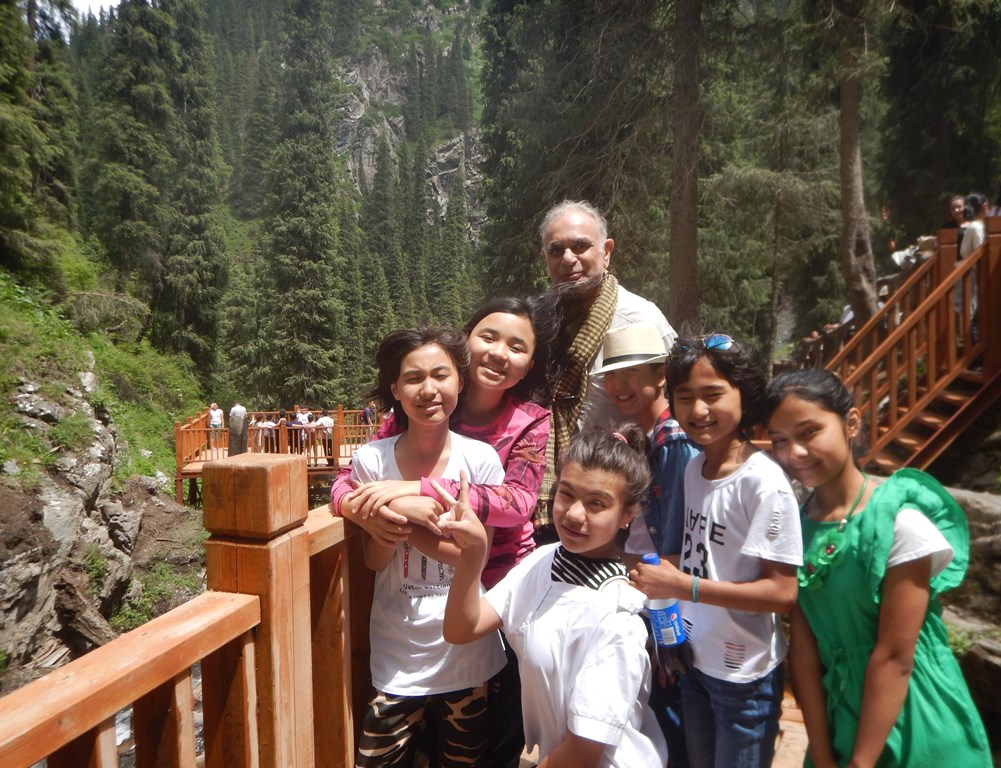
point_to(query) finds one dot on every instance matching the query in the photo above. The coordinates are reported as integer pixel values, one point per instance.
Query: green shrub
(74, 433)
(96, 567)
(162, 587)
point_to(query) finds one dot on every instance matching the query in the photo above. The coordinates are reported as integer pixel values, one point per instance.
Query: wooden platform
(196, 444)
(790, 745)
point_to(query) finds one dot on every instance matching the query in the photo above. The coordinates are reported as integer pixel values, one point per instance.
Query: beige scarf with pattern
(569, 388)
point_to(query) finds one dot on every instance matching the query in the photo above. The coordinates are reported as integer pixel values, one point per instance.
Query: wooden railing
(281, 637)
(195, 442)
(941, 328)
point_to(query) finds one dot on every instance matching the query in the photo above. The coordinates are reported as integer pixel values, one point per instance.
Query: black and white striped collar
(581, 571)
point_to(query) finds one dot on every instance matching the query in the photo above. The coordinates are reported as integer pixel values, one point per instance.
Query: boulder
(123, 526)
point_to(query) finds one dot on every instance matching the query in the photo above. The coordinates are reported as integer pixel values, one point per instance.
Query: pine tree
(448, 264)
(259, 137)
(347, 27)
(132, 122)
(89, 48)
(769, 213)
(458, 107)
(381, 221)
(413, 108)
(194, 268)
(297, 349)
(54, 103)
(37, 140)
(22, 143)
(942, 54)
(417, 228)
(369, 314)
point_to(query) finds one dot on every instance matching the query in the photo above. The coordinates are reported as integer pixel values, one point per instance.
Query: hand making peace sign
(460, 521)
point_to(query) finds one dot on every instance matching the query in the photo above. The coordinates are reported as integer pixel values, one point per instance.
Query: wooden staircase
(927, 366)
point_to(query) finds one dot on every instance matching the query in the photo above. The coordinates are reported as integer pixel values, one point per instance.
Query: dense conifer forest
(266, 187)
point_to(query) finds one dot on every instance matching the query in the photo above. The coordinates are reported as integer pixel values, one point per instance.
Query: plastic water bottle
(673, 649)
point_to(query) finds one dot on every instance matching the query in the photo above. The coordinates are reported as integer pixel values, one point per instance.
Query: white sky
(82, 6)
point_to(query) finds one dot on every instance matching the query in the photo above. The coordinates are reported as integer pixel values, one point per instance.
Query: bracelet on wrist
(695, 588)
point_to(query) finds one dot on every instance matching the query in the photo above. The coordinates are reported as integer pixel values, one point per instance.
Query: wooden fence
(281, 636)
(325, 449)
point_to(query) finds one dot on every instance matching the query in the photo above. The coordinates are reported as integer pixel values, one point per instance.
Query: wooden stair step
(973, 377)
(950, 397)
(908, 441)
(887, 462)
(930, 419)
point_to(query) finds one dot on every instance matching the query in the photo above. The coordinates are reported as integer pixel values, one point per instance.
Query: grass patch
(144, 391)
(26, 449)
(3, 662)
(96, 567)
(960, 641)
(160, 589)
(74, 433)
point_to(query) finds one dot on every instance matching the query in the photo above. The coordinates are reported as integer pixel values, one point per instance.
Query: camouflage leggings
(394, 725)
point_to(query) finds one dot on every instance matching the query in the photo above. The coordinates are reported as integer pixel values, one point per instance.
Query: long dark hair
(400, 343)
(545, 326)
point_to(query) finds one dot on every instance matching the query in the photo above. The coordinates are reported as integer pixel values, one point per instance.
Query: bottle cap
(651, 558)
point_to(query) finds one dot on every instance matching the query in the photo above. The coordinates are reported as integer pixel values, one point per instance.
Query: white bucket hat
(637, 344)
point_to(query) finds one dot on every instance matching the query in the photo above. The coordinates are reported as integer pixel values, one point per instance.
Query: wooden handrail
(84, 696)
(922, 341)
(281, 637)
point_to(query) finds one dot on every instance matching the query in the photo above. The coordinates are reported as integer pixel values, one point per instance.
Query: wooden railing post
(255, 507)
(989, 320)
(341, 431)
(178, 462)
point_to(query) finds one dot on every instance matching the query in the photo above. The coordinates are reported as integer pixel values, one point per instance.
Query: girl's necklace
(826, 547)
(851, 510)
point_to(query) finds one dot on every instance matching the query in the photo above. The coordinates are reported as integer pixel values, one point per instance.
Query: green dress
(840, 588)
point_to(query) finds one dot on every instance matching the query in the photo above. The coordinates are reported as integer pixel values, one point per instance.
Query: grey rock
(62, 514)
(88, 381)
(28, 402)
(10, 467)
(123, 525)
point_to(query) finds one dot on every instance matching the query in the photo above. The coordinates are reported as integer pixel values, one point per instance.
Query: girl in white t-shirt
(740, 549)
(426, 690)
(871, 665)
(568, 610)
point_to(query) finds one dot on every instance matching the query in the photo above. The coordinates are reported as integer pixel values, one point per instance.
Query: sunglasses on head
(718, 341)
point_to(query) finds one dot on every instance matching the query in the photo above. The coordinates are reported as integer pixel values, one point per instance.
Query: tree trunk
(683, 307)
(857, 263)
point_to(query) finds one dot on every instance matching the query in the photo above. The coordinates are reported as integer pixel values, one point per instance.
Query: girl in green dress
(871, 665)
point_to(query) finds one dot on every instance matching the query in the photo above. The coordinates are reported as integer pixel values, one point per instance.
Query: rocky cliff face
(371, 84)
(68, 548)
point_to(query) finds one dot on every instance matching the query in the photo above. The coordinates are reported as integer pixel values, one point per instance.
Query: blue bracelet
(695, 588)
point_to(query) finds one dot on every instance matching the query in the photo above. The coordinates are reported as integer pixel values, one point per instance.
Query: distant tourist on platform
(215, 425)
(325, 425)
(977, 206)
(957, 217)
(367, 416)
(237, 430)
(996, 208)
